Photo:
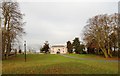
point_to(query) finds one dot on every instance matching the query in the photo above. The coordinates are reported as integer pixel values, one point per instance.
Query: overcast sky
(58, 22)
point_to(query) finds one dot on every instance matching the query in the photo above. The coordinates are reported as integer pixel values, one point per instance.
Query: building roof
(58, 46)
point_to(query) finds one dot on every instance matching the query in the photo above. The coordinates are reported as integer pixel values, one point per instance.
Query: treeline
(101, 36)
(76, 46)
(11, 24)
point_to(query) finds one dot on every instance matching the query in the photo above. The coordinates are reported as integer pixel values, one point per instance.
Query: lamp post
(25, 49)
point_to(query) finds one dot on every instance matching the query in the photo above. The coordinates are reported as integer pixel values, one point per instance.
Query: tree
(12, 25)
(82, 48)
(100, 29)
(76, 45)
(92, 47)
(113, 39)
(69, 47)
(0, 39)
(42, 49)
(20, 51)
(45, 47)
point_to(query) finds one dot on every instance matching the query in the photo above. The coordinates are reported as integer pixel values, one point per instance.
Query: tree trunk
(105, 52)
(4, 38)
(109, 50)
(3, 46)
(106, 55)
(114, 47)
(109, 53)
(8, 38)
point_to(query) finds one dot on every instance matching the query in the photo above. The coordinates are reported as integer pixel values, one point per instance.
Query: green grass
(56, 64)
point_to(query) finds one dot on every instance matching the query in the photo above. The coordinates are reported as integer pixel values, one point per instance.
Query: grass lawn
(94, 57)
(57, 64)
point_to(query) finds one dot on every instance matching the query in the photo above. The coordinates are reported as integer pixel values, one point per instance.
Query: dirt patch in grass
(91, 56)
(114, 58)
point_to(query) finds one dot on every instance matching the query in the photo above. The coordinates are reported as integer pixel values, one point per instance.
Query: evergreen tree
(69, 47)
(76, 45)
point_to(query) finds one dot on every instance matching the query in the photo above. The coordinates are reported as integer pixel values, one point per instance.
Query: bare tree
(100, 28)
(13, 24)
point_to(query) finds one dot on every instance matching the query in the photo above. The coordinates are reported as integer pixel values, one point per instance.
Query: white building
(61, 49)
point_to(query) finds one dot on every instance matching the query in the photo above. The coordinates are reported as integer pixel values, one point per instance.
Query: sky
(60, 21)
